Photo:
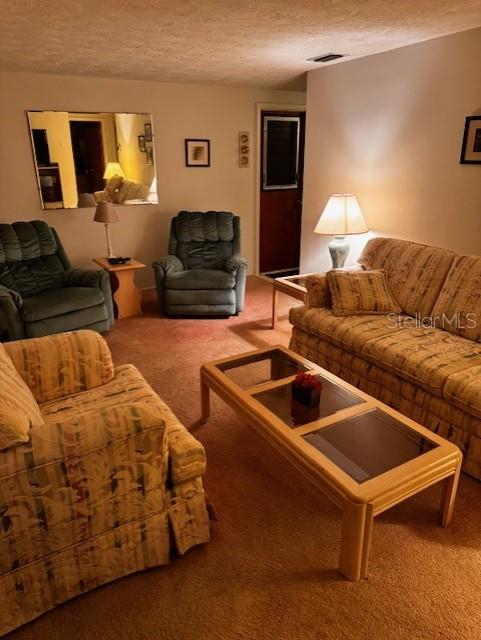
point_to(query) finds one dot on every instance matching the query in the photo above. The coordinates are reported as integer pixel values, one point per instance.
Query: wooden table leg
(368, 526)
(204, 400)
(448, 498)
(355, 540)
(275, 306)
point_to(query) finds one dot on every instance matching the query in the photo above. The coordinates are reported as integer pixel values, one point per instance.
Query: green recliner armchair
(204, 273)
(40, 293)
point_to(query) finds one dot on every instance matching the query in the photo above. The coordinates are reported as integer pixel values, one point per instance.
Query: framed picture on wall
(149, 155)
(141, 140)
(148, 131)
(471, 151)
(197, 153)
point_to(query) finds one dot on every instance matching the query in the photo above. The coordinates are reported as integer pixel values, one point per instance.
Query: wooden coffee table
(363, 455)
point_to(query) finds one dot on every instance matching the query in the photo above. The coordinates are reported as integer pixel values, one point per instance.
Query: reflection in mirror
(85, 158)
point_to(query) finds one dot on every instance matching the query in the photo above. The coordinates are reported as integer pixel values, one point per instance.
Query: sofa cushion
(458, 307)
(58, 302)
(200, 279)
(415, 272)
(349, 332)
(360, 293)
(18, 408)
(424, 356)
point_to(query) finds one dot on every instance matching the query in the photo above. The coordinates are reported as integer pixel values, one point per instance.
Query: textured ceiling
(262, 43)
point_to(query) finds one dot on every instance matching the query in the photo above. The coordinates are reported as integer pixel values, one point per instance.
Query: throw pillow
(19, 409)
(360, 293)
(14, 428)
(318, 294)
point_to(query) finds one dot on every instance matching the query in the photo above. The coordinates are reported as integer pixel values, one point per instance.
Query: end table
(125, 293)
(293, 286)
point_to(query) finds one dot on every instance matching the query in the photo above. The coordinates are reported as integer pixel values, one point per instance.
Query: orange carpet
(270, 569)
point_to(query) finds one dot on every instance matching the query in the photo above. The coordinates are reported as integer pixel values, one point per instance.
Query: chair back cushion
(458, 307)
(31, 259)
(415, 272)
(204, 240)
(18, 408)
(63, 364)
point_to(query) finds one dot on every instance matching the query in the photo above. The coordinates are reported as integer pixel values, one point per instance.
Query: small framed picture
(471, 151)
(197, 153)
(244, 149)
(148, 131)
(141, 140)
(149, 155)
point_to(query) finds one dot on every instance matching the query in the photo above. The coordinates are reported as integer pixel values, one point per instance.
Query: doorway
(88, 154)
(280, 210)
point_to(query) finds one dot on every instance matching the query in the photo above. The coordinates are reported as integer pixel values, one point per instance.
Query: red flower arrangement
(306, 389)
(306, 381)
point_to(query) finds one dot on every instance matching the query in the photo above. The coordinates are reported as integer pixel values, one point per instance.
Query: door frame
(260, 107)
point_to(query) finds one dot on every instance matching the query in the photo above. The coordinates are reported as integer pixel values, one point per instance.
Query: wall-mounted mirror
(84, 158)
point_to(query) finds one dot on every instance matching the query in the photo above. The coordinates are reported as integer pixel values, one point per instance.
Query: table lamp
(113, 169)
(105, 212)
(342, 216)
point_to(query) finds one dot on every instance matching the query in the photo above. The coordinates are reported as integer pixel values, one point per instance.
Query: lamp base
(339, 249)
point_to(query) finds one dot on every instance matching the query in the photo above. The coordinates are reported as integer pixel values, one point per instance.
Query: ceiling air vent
(328, 57)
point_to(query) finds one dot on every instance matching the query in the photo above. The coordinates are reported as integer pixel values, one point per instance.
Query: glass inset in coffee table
(362, 454)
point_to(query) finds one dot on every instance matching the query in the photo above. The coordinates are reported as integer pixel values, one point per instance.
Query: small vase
(305, 396)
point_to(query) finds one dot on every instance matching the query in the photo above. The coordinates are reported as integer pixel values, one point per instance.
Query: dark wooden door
(88, 155)
(282, 153)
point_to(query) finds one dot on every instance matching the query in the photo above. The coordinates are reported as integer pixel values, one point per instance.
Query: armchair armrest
(161, 267)
(168, 264)
(235, 262)
(92, 278)
(186, 454)
(84, 277)
(61, 439)
(10, 320)
(62, 364)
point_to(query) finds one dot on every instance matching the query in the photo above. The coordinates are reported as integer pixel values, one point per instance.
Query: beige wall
(389, 128)
(179, 111)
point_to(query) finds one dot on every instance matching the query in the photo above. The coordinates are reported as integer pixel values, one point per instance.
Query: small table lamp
(105, 212)
(342, 216)
(113, 169)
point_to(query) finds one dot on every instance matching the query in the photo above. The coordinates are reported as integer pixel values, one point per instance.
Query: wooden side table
(125, 293)
(293, 286)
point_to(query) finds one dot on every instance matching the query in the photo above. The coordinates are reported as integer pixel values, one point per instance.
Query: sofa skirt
(430, 411)
(34, 589)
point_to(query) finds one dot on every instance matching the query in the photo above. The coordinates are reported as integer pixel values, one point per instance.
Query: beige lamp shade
(105, 212)
(342, 216)
(113, 169)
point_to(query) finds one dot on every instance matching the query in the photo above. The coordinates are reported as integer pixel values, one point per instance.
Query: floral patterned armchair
(98, 479)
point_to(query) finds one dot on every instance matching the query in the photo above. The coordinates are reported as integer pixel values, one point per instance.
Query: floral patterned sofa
(425, 363)
(98, 478)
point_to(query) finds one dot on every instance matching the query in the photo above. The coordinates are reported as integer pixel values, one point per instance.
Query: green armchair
(40, 293)
(204, 273)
